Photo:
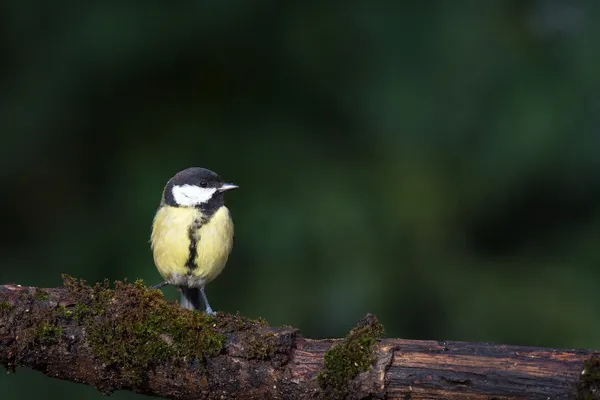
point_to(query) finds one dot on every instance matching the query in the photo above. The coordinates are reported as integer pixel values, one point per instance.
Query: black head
(196, 187)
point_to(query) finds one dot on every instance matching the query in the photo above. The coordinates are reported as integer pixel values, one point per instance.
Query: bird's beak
(227, 186)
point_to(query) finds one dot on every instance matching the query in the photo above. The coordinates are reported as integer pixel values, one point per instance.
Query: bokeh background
(433, 163)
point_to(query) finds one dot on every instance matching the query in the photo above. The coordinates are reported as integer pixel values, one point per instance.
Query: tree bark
(41, 329)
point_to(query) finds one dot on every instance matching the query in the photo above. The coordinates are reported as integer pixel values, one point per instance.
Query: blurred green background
(434, 163)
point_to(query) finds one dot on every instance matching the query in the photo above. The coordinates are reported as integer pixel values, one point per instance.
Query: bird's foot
(209, 311)
(160, 285)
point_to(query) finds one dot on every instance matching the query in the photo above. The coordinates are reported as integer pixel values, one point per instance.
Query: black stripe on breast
(194, 239)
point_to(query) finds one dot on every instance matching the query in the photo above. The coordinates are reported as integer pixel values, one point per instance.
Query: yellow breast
(214, 243)
(171, 240)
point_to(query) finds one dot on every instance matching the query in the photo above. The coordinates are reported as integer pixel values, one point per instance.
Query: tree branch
(127, 337)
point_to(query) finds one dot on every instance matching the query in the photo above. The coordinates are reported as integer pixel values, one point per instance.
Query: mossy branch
(126, 337)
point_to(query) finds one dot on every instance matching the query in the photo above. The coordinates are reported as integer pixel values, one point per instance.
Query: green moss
(80, 312)
(5, 308)
(43, 320)
(48, 333)
(260, 345)
(64, 312)
(257, 343)
(589, 379)
(346, 360)
(73, 285)
(130, 327)
(235, 323)
(41, 295)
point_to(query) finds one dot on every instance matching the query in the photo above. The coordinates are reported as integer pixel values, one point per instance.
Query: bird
(192, 234)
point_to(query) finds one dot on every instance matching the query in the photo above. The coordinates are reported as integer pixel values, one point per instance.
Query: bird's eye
(204, 184)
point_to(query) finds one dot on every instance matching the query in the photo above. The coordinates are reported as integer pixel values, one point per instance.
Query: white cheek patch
(191, 195)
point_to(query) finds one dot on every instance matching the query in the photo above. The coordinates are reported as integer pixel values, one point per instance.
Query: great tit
(192, 233)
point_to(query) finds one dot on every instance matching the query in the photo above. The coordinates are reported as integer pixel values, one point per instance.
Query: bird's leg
(160, 285)
(208, 310)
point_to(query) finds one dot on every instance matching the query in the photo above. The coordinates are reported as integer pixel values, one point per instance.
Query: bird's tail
(190, 298)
